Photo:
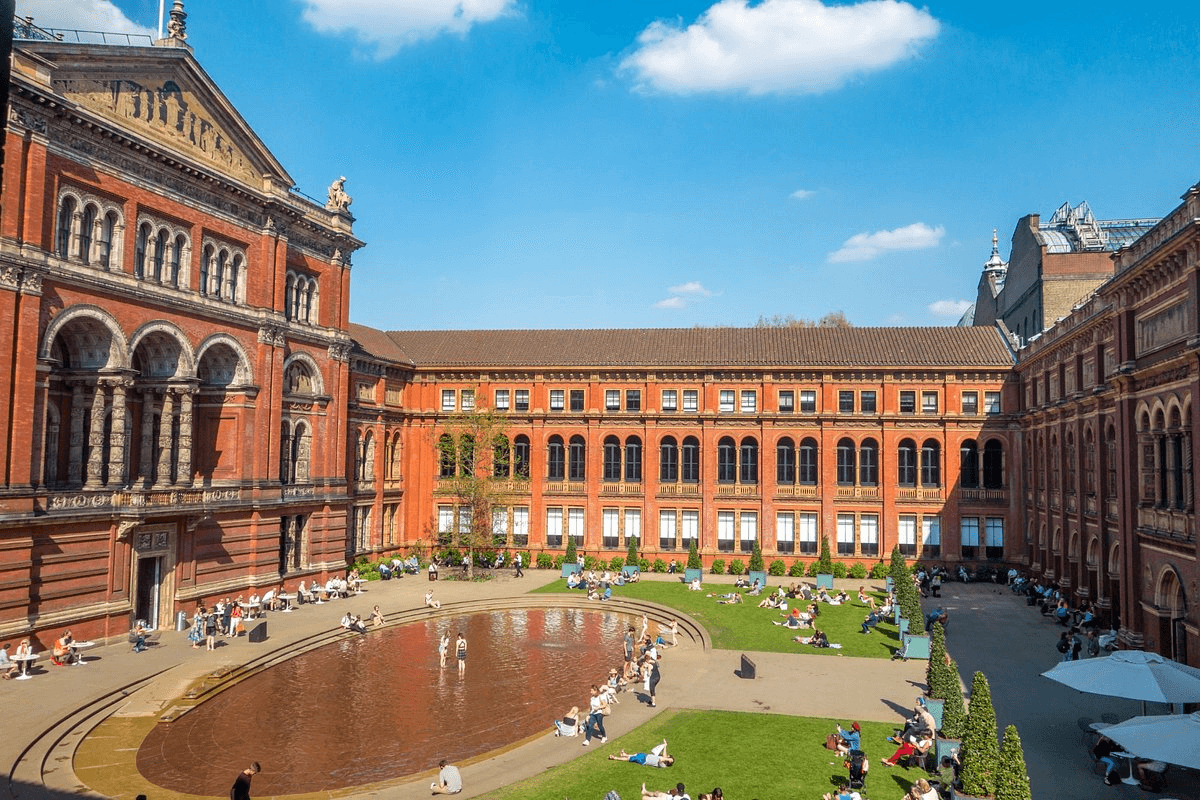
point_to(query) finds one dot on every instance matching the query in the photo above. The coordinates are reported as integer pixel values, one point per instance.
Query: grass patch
(747, 755)
(746, 627)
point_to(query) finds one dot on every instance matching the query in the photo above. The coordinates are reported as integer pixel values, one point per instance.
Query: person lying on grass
(657, 757)
(673, 794)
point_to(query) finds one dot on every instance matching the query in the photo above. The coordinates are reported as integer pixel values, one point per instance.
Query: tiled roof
(693, 347)
(378, 344)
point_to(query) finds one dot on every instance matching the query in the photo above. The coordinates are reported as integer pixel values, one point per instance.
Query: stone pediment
(173, 103)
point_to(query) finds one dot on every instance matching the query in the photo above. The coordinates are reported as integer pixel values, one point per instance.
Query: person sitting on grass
(849, 740)
(573, 580)
(818, 639)
(695, 585)
(917, 744)
(792, 620)
(730, 599)
(843, 793)
(777, 600)
(673, 794)
(865, 598)
(872, 619)
(569, 724)
(657, 757)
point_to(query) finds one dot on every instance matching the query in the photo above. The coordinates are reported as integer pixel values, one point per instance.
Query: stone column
(148, 272)
(75, 246)
(117, 473)
(183, 466)
(146, 456)
(95, 461)
(93, 255)
(163, 478)
(75, 456)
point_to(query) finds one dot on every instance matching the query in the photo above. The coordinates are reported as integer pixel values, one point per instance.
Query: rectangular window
(725, 405)
(612, 400)
(969, 536)
(749, 402)
(691, 401)
(689, 528)
(845, 534)
(787, 402)
(557, 397)
(633, 524)
(749, 521)
(991, 402)
(868, 535)
(445, 523)
(520, 527)
(521, 400)
(970, 403)
(845, 402)
(808, 401)
(785, 532)
(633, 399)
(449, 401)
(666, 530)
(808, 534)
(554, 527)
(610, 519)
(906, 534)
(501, 402)
(931, 537)
(994, 537)
(929, 403)
(575, 525)
(500, 527)
(725, 527)
(577, 399)
(908, 402)
(468, 399)
(866, 401)
(670, 400)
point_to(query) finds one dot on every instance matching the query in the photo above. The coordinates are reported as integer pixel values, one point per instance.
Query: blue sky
(669, 163)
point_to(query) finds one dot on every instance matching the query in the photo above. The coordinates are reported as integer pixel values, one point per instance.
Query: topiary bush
(558, 561)
(813, 569)
(937, 657)
(1012, 778)
(980, 751)
(756, 559)
(718, 566)
(572, 553)
(825, 562)
(631, 552)
(797, 569)
(616, 563)
(777, 568)
(643, 564)
(839, 569)
(659, 565)
(954, 713)
(857, 571)
(693, 561)
(736, 567)
(879, 571)
(545, 561)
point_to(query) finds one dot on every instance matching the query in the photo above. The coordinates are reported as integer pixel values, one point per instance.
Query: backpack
(1063, 646)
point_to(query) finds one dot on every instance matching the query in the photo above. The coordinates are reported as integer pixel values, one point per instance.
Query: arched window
(726, 460)
(156, 257)
(521, 456)
(466, 456)
(968, 475)
(846, 462)
(501, 457)
(1089, 463)
(108, 229)
(66, 220)
(612, 458)
(931, 464)
(808, 462)
(447, 457)
(206, 262)
(668, 460)
(141, 250)
(906, 463)
(90, 213)
(633, 459)
(1069, 462)
(785, 462)
(690, 462)
(1110, 455)
(235, 277)
(748, 461)
(577, 459)
(993, 464)
(555, 459)
(176, 261)
(868, 463)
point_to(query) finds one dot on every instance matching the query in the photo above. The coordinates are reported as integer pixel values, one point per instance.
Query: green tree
(954, 713)
(1012, 778)
(980, 750)
(475, 457)
(572, 552)
(825, 561)
(693, 561)
(756, 559)
(631, 557)
(937, 655)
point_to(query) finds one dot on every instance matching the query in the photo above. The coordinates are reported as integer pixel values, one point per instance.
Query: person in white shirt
(449, 780)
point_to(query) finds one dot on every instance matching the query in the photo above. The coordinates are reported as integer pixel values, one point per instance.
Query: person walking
(655, 677)
(517, 562)
(598, 705)
(241, 787)
(460, 649)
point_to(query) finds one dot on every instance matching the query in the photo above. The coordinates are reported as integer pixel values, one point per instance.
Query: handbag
(832, 741)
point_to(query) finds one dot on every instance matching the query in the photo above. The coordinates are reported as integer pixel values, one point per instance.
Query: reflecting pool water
(379, 706)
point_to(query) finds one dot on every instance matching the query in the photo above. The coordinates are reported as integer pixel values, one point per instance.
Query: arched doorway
(1172, 607)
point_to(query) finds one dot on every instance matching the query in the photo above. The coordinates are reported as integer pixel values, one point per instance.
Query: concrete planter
(915, 645)
(824, 581)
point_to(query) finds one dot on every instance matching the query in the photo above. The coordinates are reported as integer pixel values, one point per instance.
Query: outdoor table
(358, 582)
(320, 592)
(287, 601)
(1132, 780)
(81, 646)
(251, 609)
(25, 661)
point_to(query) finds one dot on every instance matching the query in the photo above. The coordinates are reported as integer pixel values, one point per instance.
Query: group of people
(599, 587)
(914, 742)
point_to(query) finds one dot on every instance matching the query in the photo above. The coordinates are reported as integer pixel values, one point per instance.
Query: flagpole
(161, 11)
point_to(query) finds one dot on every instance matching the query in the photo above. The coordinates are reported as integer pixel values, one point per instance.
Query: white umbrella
(1133, 674)
(1174, 738)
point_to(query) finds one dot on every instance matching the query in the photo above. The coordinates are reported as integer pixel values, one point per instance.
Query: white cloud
(866, 246)
(691, 287)
(802, 194)
(777, 46)
(683, 295)
(672, 302)
(81, 15)
(949, 308)
(388, 25)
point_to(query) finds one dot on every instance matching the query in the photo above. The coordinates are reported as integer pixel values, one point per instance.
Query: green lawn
(746, 627)
(747, 755)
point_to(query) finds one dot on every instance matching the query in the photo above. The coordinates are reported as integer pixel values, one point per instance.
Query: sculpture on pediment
(338, 199)
(177, 26)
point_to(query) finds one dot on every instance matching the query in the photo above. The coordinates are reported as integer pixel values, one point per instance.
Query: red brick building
(175, 369)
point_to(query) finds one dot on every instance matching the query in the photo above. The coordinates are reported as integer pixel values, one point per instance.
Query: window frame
(868, 401)
(726, 401)
(612, 399)
(449, 399)
(576, 399)
(808, 401)
(558, 399)
(633, 399)
(908, 401)
(500, 399)
(787, 401)
(929, 402)
(970, 403)
(749, 401)
(845, 401)
(691, 401)
(520, 400)
(669, 401)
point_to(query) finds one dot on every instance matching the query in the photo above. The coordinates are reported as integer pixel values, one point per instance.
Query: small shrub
(756, 559)
(777, 568)
(526, 559)
(856, 571)
(826, 559)
(451, 556)
(879, 571)
(545, 561)
(797, 569)
(617, 563)
(839, 569)
(980, 751)
(693, 561)
(643, 564)
(736, 567)
(590, 562)
(718, 566)
(631, 555)
(814, 569)
(572, 552)
(558, 561)
(659, 565)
